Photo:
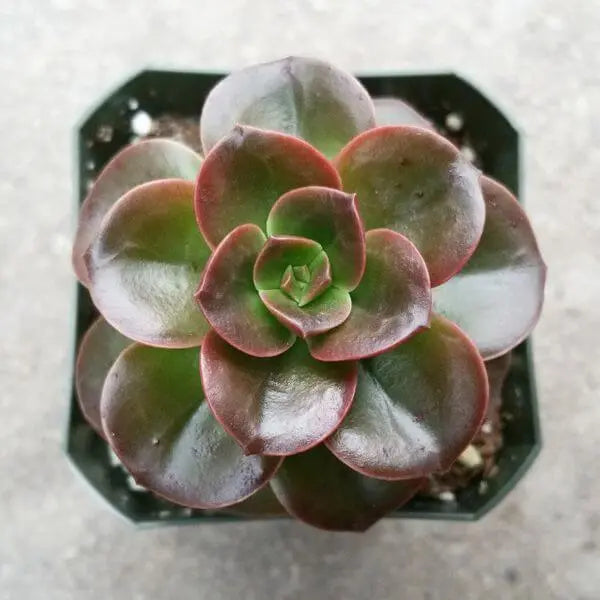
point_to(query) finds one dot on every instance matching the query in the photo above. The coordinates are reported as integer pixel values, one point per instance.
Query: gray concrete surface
(539, 59)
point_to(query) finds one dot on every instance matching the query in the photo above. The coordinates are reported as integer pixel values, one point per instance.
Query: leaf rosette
(299, 319)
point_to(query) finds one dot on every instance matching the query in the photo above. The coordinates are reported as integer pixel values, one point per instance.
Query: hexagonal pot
(485, 131)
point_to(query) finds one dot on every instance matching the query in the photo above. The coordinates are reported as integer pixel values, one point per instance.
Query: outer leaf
(230, 301)
(393, 111)
(416, 408)
(156, 420)
(392, 302)
(136, 164)
(145, 264)
(417, 183)
(497, 298)
(303, 97)
(277, 254)
(98, 350)
(329, 217)
(280, 405)
(318, 489)
(247, 171)
(329, 310)
(262, 503)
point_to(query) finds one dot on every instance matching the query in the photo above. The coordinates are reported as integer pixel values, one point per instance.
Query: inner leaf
(305, 283)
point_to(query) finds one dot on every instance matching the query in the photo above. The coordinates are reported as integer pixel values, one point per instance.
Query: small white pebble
(486, 427)
(141, 123)
(447, 496)
(187, 512)
(468, 153)
(104, 133)
(133, 103)
(454, 122)
(470, 457)
(89, 165)
(89, 184)
(164, 514)
(483, 486)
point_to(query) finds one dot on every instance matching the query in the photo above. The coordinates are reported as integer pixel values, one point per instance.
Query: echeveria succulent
(269, 336)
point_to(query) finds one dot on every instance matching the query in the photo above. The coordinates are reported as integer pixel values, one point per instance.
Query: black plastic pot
(485, 131)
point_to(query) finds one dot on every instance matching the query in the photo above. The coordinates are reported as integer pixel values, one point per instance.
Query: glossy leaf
(277, 254)
(329, 217)
(230, 301)
(247, 171)
(416, 407)
(392, 302)
(497, 298)
(157, 422)
(417, 183)
(302, 97)
(279, 405)
(98, 350)
(139, 163)
(261, 504)
(145, 264)
(329, 310)
(393, 111)
(318, 489)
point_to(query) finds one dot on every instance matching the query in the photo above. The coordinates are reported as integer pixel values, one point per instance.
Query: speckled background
(540, 60)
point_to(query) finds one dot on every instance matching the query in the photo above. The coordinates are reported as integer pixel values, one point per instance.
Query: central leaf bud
(304, 283)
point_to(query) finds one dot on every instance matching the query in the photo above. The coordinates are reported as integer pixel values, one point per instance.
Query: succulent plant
(300, 319)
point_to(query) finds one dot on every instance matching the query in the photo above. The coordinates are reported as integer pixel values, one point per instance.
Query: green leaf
(416, 407)
(497, 298)
(318, 489)
(277, 254)
(327, 311)
(136, 164)
(145, 264)
(279, 405)
(157, 422)
(329, 217)
(98, 350)
(392, 302)
(417, 183)
(302, 97)
(247, 171)
(393, 111)
(230, 302)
